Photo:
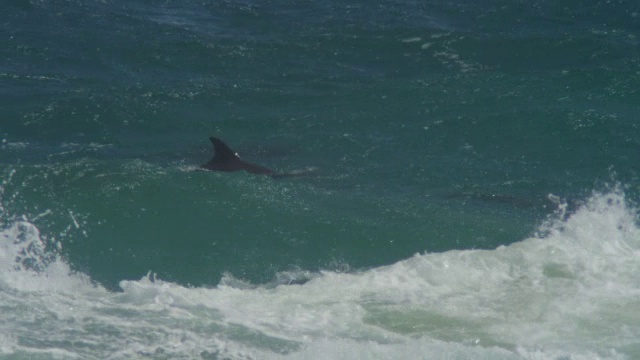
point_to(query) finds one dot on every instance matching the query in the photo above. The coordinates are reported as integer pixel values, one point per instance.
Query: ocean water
(474, 192)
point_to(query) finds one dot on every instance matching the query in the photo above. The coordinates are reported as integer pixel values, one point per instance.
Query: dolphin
(225, 159)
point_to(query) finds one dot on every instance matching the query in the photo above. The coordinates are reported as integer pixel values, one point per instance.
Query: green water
(473, 196)
(432, 127)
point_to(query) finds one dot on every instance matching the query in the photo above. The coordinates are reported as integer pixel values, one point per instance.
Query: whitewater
(571, 291)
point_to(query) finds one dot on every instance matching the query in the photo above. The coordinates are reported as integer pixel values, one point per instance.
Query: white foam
(27, 265)
(411, 39)
(4, 144)
(571, 293)
(410, 349)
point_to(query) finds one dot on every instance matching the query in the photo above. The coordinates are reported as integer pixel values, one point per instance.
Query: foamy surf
(570, 293)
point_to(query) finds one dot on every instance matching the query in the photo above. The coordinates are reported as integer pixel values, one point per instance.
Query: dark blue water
(498, 139)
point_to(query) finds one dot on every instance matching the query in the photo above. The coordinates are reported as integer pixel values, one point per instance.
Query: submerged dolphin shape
(226, 159)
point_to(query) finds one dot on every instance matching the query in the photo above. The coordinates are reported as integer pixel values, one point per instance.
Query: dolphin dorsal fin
(223, 153)
(226, 159)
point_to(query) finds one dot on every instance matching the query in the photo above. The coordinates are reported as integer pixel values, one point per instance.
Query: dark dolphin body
(226, 159)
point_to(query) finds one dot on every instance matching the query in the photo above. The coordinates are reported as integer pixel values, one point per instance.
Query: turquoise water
(474, 193)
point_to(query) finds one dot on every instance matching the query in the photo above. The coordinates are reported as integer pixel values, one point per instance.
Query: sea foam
(571, 292)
